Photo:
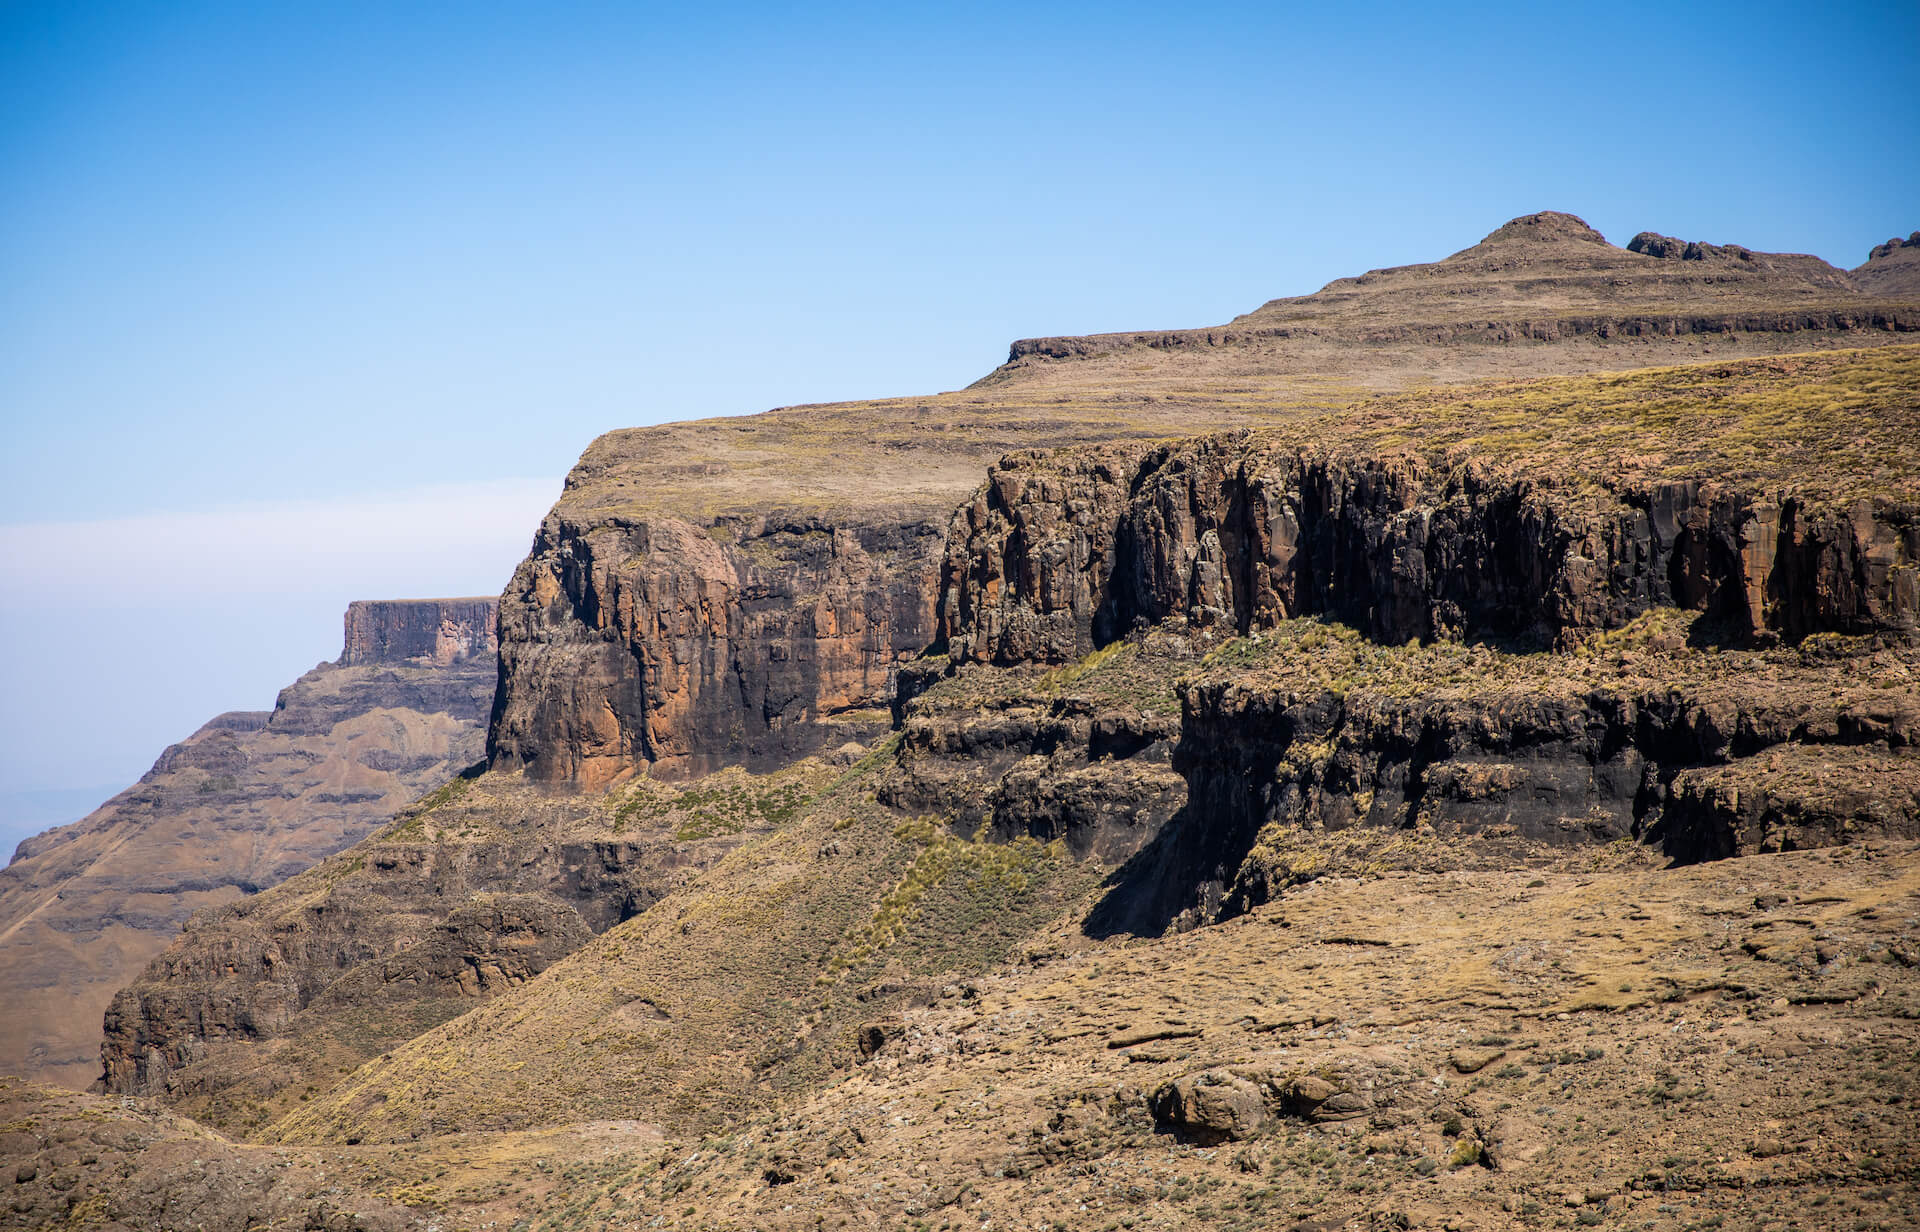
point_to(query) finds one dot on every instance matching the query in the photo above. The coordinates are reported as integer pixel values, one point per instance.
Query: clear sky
(304, 302)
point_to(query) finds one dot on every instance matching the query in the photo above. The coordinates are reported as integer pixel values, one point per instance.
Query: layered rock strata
(740, 592)
(245, 802)
(440, 632)
(1709, 748)
(660, 642)
(744, 591)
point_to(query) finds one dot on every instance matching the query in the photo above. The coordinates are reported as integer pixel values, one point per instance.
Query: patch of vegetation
(1835, 426)
(986, 875)
(722, 804)
(410, 824)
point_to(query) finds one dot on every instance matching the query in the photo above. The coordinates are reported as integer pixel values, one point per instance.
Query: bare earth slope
(246, 801)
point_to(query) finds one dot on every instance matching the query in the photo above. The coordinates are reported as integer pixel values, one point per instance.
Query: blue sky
(350, 259)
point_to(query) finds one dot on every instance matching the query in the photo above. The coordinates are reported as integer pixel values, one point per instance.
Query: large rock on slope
(247, 801)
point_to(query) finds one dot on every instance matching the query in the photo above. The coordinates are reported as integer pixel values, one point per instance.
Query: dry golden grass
(1728, 1045)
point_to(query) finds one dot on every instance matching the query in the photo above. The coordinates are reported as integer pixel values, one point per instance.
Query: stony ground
(1616, 1045)
(1595, 1041)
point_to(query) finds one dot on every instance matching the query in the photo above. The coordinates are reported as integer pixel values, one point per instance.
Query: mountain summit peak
(1547, 226)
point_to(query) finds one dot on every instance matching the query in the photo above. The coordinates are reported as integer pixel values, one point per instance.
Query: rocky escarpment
(1704, 754)
(742, 591)
(437, 631)
(1538, 512)
(247, 801)
(413, 934)
(1545, 278)
(1854, 326)
(1055, 557)
(1062, 556)
(1892, 268)
(1086, 761)
(749, 642)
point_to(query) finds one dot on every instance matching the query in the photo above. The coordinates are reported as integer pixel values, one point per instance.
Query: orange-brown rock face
(689, 648)
(245, 802)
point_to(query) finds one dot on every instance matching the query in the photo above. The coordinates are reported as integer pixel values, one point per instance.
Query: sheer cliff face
(248, 800)
(742, 591)
(436, 632)
(1440, 575)
(1058, 555)
(690, 648)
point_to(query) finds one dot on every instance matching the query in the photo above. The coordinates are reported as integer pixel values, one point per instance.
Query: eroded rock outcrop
(1058, 555)
(742, 591)
(1459, 589)
(413, 932)
(1892, 268)
(474, 890)
(689, 648)
(441, 632)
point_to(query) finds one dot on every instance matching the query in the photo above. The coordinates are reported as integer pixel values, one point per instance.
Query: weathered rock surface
(1057, 555)
(441, 631)
(743, 591)
(1061, 556)
(245, 802)
(418, 931)
(659, 642)
(1096, 774)
(1703, 755)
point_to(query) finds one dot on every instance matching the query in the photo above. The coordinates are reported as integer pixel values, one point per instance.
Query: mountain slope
(741, 590)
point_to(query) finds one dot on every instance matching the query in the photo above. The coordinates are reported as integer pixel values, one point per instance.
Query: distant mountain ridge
(248, 800)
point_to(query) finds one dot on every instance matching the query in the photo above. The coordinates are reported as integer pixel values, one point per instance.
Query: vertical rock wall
(660, 642)
(440, 631)
(1057, 554)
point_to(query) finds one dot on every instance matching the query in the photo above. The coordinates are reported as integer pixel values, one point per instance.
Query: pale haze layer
(303, 303)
